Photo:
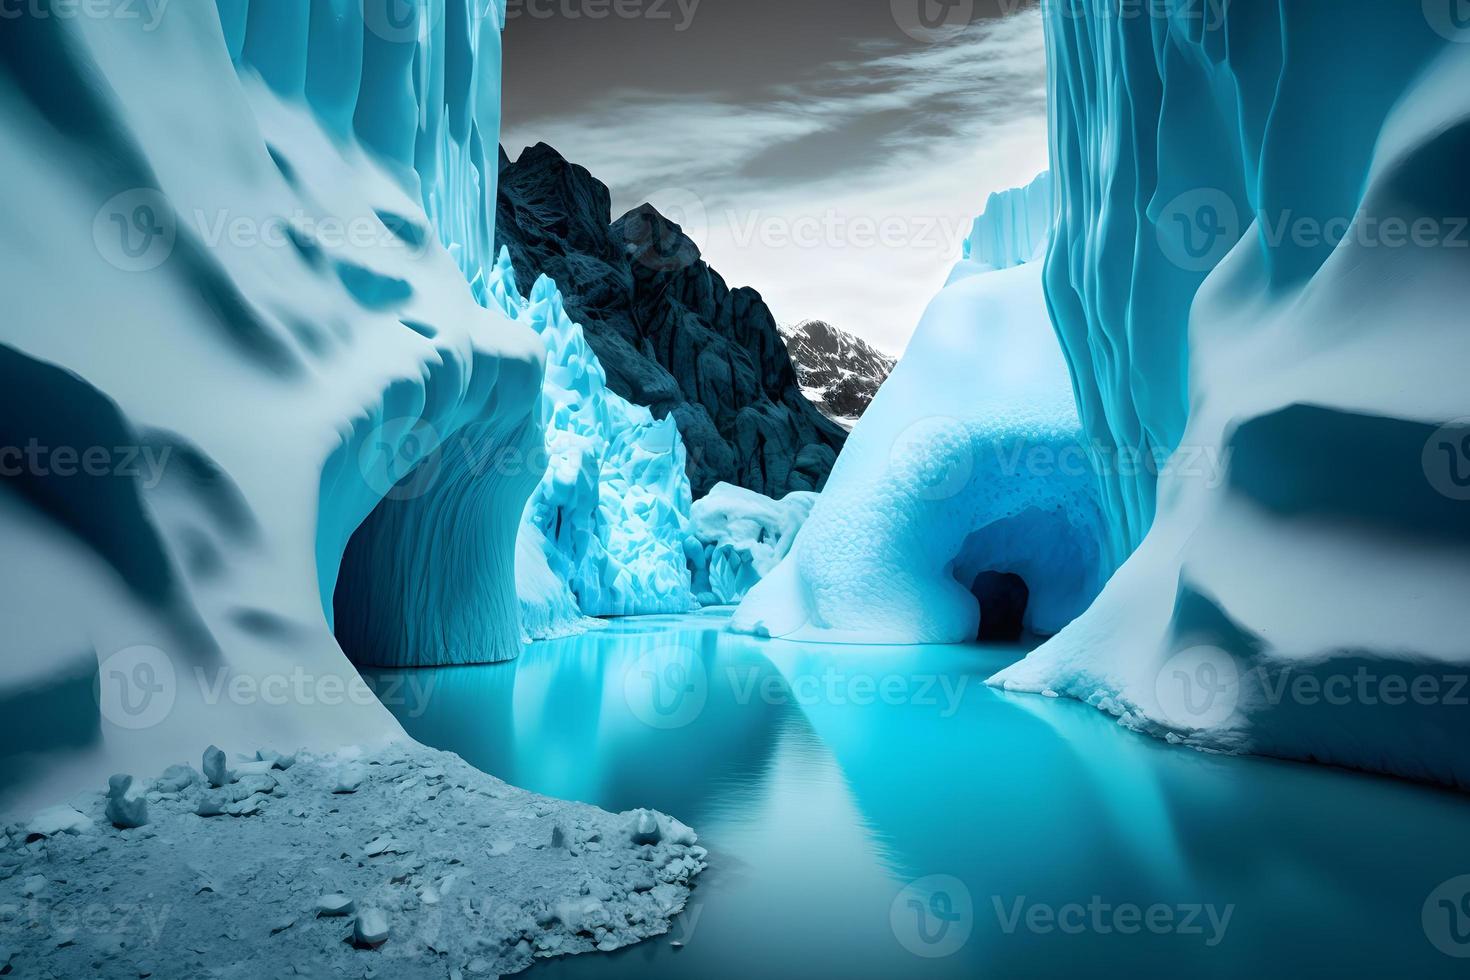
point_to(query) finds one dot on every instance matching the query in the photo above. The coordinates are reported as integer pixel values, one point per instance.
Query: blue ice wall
(1259, 276)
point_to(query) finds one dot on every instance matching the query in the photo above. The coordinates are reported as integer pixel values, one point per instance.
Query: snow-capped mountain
(839, 372)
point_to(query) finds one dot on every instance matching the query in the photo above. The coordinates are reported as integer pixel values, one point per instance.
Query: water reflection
(869, 809)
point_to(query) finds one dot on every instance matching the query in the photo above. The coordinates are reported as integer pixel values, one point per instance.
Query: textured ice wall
(604, 532)
(967, 468)
(1014, 227)
(224, 285)
(741, 536)
(1262, 262)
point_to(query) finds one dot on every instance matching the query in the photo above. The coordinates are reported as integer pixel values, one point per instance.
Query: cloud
(845, 196)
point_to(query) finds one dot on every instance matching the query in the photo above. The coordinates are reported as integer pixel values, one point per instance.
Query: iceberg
(1263, 289)
(964, 499)
(740, 535)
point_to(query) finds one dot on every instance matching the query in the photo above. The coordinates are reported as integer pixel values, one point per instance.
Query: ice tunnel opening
(1003, 598)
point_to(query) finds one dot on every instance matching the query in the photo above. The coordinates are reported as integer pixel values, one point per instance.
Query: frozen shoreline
(468, 875)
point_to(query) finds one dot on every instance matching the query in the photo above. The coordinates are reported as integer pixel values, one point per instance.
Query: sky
(830, 153)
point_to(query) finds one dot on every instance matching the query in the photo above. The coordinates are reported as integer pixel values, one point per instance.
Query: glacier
(739, 536)
(604, 532)
(966, 487)
(260, 409)
(1263, 287)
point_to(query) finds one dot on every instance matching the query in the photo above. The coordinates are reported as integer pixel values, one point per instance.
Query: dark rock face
(840, 371)
(669, 332)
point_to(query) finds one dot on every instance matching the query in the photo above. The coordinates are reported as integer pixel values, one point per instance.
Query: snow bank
(741, 535)
(965, 475)
(1268, 279)
(609, 518)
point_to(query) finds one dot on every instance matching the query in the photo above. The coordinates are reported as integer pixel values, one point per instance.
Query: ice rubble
(741, 535)
(338, 863)
(966, 473)
(1268, 278)
(603, 534)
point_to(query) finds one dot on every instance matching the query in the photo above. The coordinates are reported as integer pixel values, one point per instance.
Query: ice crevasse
(1264, 275)
(964, 498)
(248, 292)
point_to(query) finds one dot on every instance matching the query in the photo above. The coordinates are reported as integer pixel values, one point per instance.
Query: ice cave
(713, 488)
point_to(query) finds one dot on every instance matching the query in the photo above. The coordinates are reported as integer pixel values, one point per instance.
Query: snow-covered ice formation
(603, 534)
(1267, 278)
(334, 864)
(964, 486)
(246, 389)
(231, 336)
(741, 535)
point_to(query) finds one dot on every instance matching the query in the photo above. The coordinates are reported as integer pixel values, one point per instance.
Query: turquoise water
(826, 780)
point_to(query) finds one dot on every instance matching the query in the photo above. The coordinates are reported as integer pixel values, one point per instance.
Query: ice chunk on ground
(741, 535)
(127, 807)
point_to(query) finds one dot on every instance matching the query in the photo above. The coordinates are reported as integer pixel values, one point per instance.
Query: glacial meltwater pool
(879, 812)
